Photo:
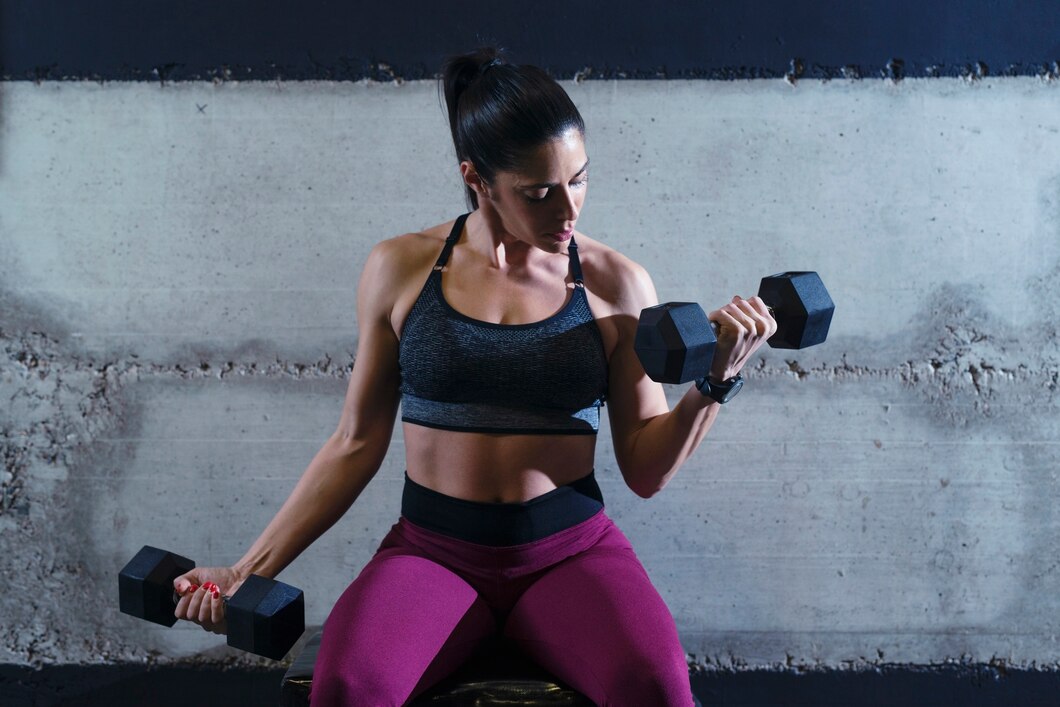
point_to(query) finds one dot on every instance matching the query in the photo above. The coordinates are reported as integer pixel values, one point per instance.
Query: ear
(472, 179)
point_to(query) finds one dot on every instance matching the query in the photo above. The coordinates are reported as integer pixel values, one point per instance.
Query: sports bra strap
(575, 264)
(454, 236)
(458, 228)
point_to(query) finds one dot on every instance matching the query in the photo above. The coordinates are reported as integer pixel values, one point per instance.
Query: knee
(652, 680)
(341, 689)
(671, 690)
(657, 690)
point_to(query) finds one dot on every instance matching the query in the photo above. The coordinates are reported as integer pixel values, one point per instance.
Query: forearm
(334, 479)
(664, 442)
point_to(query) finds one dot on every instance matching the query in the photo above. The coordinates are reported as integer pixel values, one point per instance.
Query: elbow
(643, 482)
(372, 437)
(645, 494)
(347, 446)
(645, 471)
(346, 443)
(647, 491)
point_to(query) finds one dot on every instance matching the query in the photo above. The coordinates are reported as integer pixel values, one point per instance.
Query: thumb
(186, 581)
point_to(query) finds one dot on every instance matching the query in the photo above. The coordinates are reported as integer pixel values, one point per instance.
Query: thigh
(403, 624)
(597, 623)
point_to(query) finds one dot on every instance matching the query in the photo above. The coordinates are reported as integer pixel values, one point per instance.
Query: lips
(563, 235)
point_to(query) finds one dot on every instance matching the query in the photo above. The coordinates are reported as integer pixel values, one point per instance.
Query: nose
(569, 205)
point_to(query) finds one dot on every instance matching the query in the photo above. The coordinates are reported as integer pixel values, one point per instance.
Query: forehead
(561, 157)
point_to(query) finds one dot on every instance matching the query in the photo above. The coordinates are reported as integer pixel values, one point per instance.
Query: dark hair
(499, 112)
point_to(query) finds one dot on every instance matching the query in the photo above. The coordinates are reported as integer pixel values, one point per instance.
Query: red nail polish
(192, 588)
(216, 594)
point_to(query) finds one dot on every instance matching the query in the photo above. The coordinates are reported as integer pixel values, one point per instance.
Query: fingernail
(192, 588)
(216, 594)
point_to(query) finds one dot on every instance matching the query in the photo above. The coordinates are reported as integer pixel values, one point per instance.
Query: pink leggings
(578, 602)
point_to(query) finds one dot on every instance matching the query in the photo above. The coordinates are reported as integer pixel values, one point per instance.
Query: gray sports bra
(459, 373)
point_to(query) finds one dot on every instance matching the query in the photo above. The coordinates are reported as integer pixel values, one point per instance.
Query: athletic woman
(500, 334)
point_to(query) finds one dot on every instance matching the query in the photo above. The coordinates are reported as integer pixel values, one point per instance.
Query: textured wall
(178, 267)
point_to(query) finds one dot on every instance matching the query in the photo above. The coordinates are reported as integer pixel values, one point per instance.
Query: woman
(500, 333)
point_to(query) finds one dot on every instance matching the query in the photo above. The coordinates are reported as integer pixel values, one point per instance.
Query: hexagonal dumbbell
(675, 342)
(264, 616)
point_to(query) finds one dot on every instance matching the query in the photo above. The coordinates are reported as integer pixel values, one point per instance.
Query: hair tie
(489, 65)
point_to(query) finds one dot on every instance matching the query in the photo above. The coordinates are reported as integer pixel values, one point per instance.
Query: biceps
(633, 399)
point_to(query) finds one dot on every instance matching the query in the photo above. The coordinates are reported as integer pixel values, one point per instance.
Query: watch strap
(720, 392)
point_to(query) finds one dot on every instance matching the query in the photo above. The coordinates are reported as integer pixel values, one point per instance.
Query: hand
(743, 326)
(200, 593)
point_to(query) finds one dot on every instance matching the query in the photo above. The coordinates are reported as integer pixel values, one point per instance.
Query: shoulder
(408, 251)
(398, 265)
(616, 279)
(398, 259)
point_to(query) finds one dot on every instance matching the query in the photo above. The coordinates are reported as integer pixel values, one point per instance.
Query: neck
(488, 236)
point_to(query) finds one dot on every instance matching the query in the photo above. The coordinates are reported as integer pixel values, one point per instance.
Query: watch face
(720, 393)
(736, 385)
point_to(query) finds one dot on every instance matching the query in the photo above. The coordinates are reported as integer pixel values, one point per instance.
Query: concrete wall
(178, 268)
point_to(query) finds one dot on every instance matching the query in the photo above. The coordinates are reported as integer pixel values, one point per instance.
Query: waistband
(501, 524)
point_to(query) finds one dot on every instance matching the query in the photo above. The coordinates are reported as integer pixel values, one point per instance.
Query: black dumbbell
(675, 341)
(264, 617)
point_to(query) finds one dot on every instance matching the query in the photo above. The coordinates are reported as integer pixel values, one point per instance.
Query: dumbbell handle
(714, 326)
(224, 599)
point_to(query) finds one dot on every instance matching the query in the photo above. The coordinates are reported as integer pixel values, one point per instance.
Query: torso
(501, 468)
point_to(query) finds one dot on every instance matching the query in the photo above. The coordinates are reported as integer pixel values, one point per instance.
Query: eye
(542, 194)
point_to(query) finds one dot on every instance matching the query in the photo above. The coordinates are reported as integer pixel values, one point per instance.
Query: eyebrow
(549, 185)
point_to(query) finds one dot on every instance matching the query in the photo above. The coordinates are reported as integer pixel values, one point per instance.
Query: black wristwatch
(721, 392)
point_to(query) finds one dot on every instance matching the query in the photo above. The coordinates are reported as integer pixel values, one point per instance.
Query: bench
(497, 674)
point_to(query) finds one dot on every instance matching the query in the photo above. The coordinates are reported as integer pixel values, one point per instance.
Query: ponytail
(499, 112)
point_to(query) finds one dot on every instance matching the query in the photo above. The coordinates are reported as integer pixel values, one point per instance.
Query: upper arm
(633, 398)
(372, 396)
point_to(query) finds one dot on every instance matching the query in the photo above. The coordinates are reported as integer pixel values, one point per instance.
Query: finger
(209, 606)
(185, 582)
(205, 611)
(217, 616)
(184, 601)
(747, 305)
(195, 604)
(757, 304)
(725, 320)
(758, 312)
(766, 316)
(747, 322)
(761, 323)
(181, 610)
(757, 309)
(747, 312)
(185, 589)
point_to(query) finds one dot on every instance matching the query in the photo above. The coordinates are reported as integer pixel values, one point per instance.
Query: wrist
(720, 391)
(244, 569)
(720, 376)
